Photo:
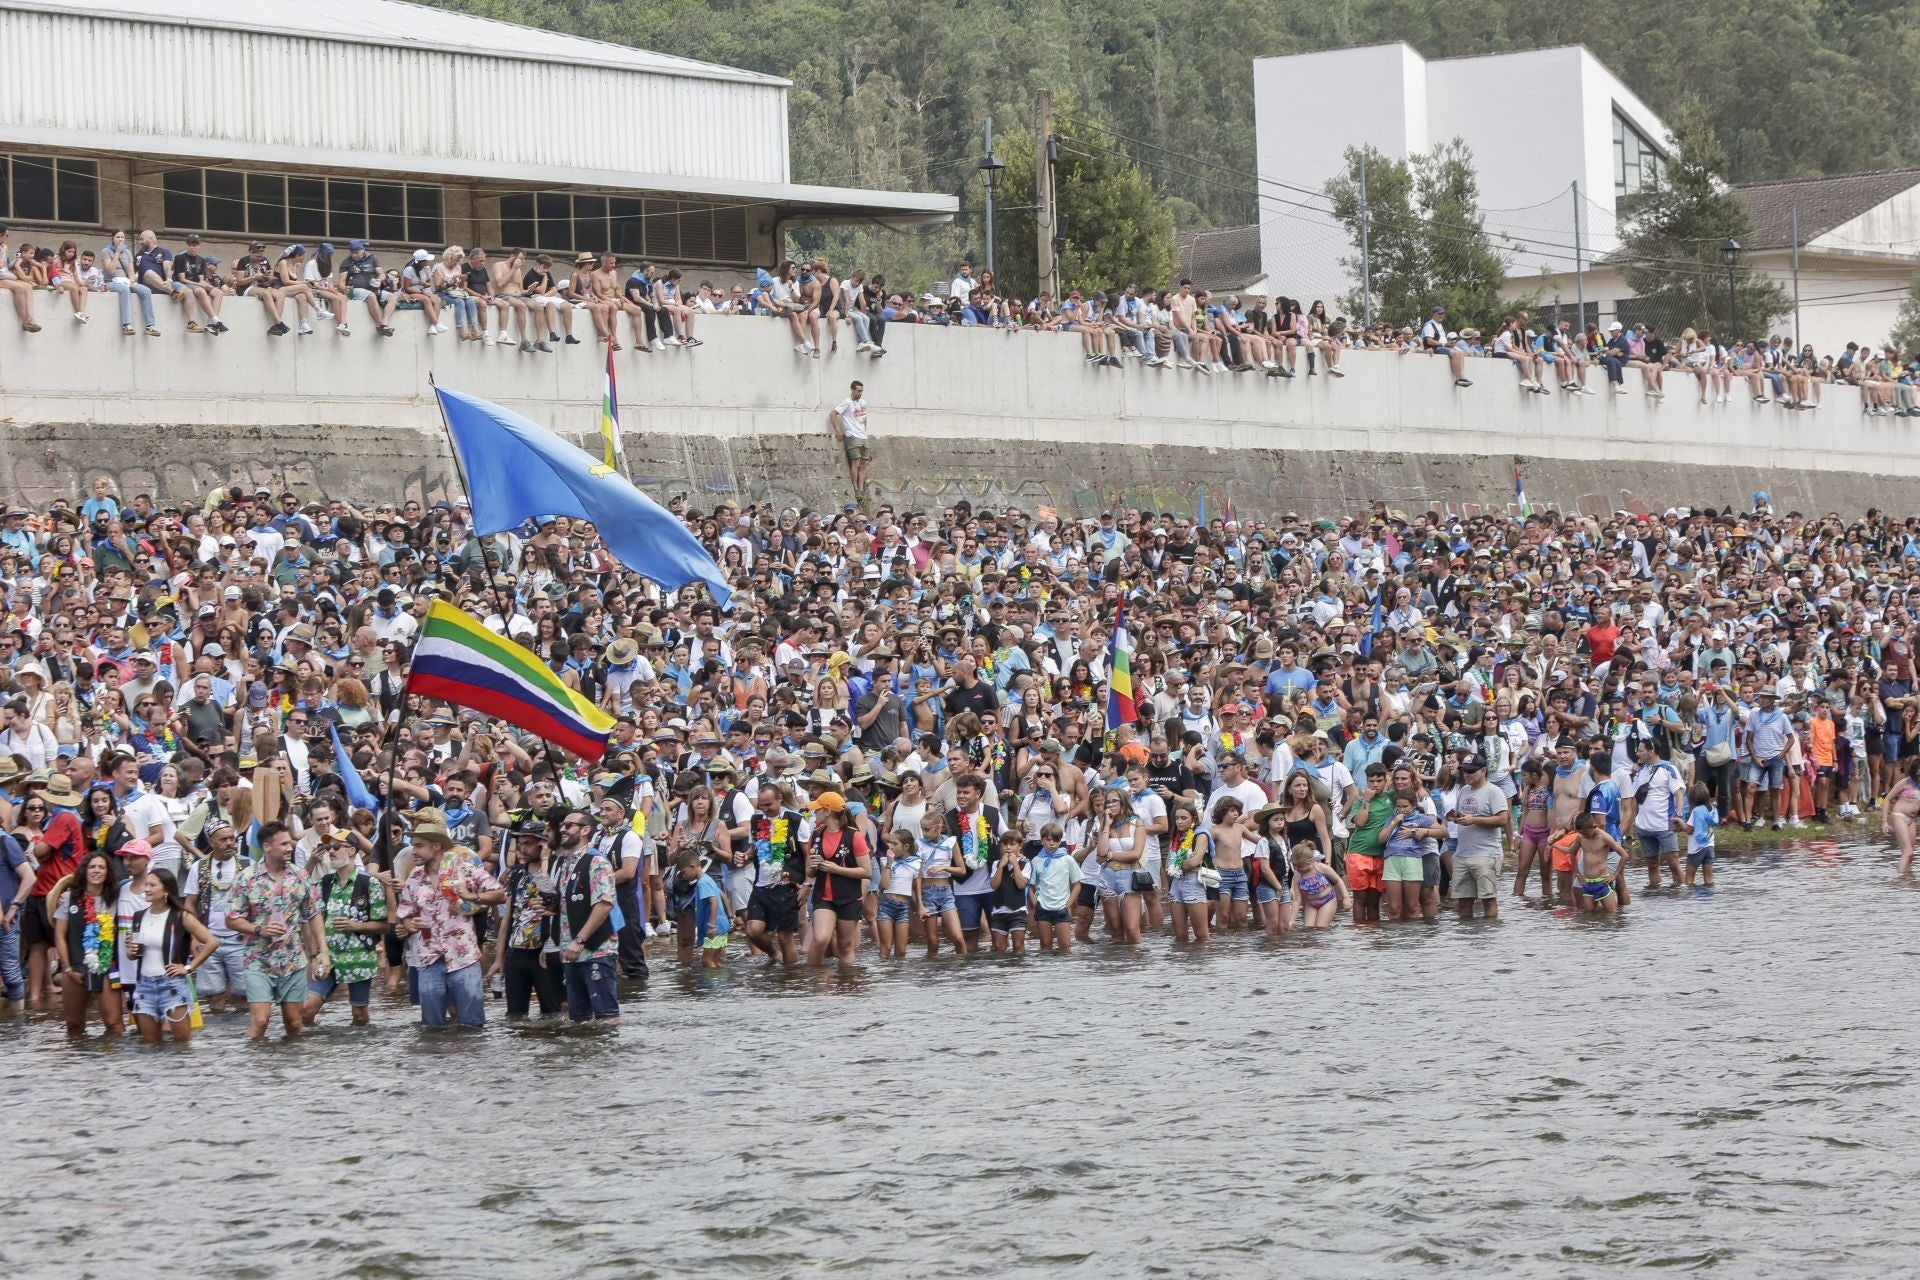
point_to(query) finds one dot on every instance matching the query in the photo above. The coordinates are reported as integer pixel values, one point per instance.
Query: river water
(1720, 1080)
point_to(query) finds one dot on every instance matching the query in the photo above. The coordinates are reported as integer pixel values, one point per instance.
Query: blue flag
(357, 794)
(518, 470)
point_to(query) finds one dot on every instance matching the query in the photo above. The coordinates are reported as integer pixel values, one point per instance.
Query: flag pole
(385, 850)
(493, 592)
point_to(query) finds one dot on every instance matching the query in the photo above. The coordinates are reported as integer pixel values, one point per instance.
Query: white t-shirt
(213, 907)
(852, 415)
(1150, 808)
(1248, 793)
(145, 812)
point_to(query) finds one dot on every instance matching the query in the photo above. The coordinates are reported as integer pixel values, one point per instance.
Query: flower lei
(774, 846)
(1182, 851)
(97, 938)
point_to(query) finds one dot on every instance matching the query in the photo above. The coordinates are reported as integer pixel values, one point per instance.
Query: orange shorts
(1563, 851)
(1363, 871)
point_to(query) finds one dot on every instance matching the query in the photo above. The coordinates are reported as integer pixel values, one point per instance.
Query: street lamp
(1730, 254)
(991, 165)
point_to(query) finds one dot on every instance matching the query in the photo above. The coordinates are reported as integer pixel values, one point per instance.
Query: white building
(286, 120)
(1540, 124)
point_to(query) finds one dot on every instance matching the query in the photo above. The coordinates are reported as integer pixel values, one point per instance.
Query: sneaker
(1796, 822)
(1761, 400)
(1336, 372)
(674, 342)
(661, 345)
(1201, 368)
(193, 326)
(1587, 391)
(878, 352)
(814, 352)
(1528, 384)
(486, 337)
(571, 340)
(342, 330)
(803, 347)
(126, 331)
(273, 331)
(526, 348)
(1185, 364)
(82, 317)
(1779, 825)
(541, 346)
(1619, 389)
(552, 336)
(432, 328)
(305, 328)
(1288, 373)
(1112, 362)
(503, 340)
(219, 326)
(1458, 382)
(386, 330)
(321, 313)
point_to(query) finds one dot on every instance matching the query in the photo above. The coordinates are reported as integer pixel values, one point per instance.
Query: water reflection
(1705, 1081)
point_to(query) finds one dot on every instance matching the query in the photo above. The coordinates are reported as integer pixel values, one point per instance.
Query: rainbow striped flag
(1121, 707)
(614, 457)
(458, 660)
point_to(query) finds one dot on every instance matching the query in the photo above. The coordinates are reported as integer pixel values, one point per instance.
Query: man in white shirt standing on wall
(848, 424)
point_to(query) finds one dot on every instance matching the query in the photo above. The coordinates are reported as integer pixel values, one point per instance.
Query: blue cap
(326, 247)
(355, 246)
(293, 249)
(1761, 495)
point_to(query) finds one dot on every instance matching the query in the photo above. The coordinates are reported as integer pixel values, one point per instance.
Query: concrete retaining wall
(985, 415)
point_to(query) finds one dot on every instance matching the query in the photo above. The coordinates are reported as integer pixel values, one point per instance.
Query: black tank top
(1303, 829)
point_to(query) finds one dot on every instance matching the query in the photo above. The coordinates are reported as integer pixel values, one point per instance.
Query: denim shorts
(158, 997)
(973, 909)
(359, 994)
(591, 990)
(1267, 893)
(224, 971)
(1701, 857)
(1117, 882)
(1233, 884)
(937, 898)
(1655, 843)
(894, 910)
(1187, 890)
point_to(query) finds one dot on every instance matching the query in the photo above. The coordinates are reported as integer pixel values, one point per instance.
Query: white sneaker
(803, 347)
(863, 346)
(659, 345)
(1528, 384)
(321, 313)
(1186, 364)
(1204, 368)
(436, 328)
(673, 342)
(305, 328)
(1779, 825)
(81, 316)
(1795, 822)
(342, 330)
(503, 338)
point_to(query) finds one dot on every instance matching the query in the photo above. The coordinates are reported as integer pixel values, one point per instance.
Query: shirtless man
(509, 298)
(1073, 781)
(1571, 783)
(1900, 811)
(604, 285)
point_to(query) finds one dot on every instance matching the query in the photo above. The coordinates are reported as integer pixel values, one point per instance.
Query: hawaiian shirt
(526, 925)
(354, 957)
(599, 889)
(261, 900)
(446, 922)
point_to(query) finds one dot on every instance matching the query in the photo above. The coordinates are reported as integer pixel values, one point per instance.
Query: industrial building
(399, 124)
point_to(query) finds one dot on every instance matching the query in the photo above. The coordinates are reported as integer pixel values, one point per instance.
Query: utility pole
(1796, 279)
(1043, 219)
(989, 166)
(1579, 267)
(1366, 265)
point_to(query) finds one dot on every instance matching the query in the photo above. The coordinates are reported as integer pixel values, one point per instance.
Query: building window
(1637, 163)
(279, 205)
(562, 222)
(49, 189)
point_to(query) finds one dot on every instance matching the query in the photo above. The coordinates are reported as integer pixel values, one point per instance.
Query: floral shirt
(446, 922)
(261, 900)
(354, 958)
(599, 888)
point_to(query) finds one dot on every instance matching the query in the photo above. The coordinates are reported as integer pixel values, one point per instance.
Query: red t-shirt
(62, 834)
(1600, 642)
(836, 847)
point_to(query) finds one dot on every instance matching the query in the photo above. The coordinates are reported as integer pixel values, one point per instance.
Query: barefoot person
(83, 932)
(847, 422)
(165, 946)
(1900, 810)
(271, 908)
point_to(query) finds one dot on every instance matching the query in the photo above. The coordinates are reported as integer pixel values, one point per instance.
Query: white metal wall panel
(191, 90)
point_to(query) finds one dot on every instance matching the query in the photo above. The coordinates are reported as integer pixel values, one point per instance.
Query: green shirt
(1366, 834)
(353, 955)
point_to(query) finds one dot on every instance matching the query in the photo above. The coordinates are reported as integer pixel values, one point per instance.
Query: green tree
(1117, 228)
(1426, 241)
(1906, 326)
(1671, 239)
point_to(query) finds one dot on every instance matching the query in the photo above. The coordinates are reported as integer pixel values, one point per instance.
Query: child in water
(1319, 887)
(1596, 863)
(1703, 818)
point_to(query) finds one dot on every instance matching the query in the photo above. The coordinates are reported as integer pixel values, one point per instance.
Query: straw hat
(60, 792)
(431, 824)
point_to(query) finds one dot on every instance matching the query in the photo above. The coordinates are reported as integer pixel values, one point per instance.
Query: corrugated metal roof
(1824, 203)
(397, 24)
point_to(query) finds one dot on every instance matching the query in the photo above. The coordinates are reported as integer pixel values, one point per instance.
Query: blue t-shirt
(709, 910)
(14, 869)
(1604, 800)
(1703, 820)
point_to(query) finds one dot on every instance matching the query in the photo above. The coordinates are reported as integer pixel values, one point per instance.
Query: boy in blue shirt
(1703, 818)
(711, 925)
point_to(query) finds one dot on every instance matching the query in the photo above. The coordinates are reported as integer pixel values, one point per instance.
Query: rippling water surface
(1721, 1080)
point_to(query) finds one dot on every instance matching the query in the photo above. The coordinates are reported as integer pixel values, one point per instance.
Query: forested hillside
(892, 93)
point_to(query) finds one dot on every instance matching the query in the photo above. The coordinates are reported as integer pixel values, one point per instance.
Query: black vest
(580, 905)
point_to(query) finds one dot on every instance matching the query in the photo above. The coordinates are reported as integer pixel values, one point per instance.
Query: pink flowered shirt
(446, 922)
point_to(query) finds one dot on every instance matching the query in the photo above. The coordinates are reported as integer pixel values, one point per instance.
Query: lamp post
(989, 166)
(1730, 254)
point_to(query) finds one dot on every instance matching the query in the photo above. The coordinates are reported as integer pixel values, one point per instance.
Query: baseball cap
(354, 246)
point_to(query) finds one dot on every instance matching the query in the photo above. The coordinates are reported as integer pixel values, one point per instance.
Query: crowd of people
(903, 736)
(531, 302)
